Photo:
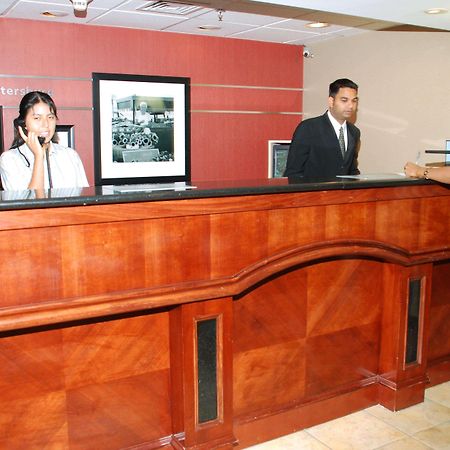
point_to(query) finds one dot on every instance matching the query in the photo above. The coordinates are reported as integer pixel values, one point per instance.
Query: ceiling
(281, 21)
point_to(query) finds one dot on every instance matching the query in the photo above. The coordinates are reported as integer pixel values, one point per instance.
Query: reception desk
(219, 316)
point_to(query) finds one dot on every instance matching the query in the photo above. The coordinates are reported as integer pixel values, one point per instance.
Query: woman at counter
(35, 159)
(441, 174)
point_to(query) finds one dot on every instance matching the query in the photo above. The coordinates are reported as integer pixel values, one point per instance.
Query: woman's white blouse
(66, 168)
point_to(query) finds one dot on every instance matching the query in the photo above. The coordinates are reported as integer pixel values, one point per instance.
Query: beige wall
(404, 90)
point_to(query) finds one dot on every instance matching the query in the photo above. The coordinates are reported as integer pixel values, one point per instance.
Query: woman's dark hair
(27, 102)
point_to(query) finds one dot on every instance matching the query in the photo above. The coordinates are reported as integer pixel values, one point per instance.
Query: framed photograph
(66, 135)
(278, 152)
(141, 129)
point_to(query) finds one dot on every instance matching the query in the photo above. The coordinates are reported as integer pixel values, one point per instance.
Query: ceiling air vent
(173, 7)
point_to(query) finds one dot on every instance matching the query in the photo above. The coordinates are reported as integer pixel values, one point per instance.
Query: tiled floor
(420, 427)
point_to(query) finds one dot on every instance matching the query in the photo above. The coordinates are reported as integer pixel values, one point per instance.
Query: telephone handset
(21, 123)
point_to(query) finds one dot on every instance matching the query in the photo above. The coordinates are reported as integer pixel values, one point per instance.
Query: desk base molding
(396, 396)
(264, 428)
(177, 443)
(439, 370)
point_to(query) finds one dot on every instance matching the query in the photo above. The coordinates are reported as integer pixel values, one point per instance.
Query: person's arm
(15, 171)
(354, 167)
(441, 174)
(37, 175)
(298, 154)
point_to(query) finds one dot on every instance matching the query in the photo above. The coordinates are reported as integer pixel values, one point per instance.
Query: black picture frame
(133, 145)
(66, 135)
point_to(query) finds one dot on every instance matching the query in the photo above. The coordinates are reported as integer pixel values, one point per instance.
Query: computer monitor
(447, 156)
(278, 153)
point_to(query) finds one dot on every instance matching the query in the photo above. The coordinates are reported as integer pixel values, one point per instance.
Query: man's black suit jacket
(315, 153)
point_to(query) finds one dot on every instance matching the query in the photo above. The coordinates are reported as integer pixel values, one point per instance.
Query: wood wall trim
(439, 370)
(41, 314)
(119, 212)
(267, 427)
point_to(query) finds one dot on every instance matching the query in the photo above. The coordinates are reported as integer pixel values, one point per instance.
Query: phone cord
(49, 171)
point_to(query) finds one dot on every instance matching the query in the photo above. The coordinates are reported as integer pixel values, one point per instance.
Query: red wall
(223, 145)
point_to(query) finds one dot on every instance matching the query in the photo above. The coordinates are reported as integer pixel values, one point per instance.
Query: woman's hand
(37, 176)
(413, 170)
(32, 140)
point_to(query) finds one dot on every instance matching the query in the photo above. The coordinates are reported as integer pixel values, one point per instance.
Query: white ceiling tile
(271, 34)
(269, 20)
(401, 11)
(300, 25)
(33, 10)
(254, 20)
(137, 20)
(192, 26)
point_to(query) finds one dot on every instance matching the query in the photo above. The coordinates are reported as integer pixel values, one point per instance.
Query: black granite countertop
(97, 195)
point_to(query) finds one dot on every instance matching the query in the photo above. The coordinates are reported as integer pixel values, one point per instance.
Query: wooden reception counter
(220, 316)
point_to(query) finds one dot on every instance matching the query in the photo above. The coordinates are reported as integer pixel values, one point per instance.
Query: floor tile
(421, 427)
(355, 431)
(296, 441)
(439, 394)
(437, 437)
(407, 443)
(415, 418)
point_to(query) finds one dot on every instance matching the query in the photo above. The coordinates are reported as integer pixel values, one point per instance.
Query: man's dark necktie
(342, 141)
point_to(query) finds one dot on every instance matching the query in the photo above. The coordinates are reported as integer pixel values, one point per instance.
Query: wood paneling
(440, 313)
(28, 285)
(255, 324)
(323, 336)
(268, 379)
(88, 386)
(310, 289)
(188, 431)
(35, 422)
(403, 384)
(120, 413)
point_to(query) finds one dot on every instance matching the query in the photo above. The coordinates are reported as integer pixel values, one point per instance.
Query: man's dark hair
(341, 83)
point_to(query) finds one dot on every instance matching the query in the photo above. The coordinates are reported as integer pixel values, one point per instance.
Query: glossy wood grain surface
(86, 386)
(113, 258)
(439, 345)
(99, 303)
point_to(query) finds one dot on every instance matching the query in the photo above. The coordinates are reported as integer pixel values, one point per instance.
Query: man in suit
(326, 146)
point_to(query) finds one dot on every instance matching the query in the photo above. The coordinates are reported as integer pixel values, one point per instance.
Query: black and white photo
(141, 129)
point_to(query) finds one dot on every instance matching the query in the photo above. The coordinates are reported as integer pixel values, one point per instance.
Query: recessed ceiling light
(318, 25)
(209, 27)
(436, 11)
(54, 14)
